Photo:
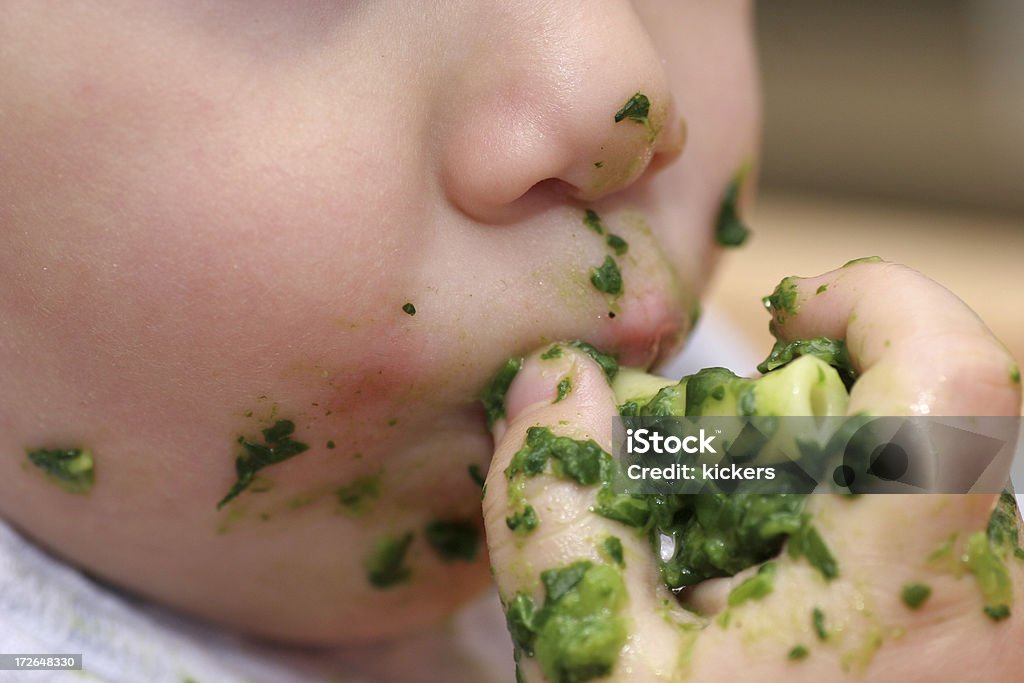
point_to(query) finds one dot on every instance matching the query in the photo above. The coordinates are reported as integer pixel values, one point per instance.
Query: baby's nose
(571, 99)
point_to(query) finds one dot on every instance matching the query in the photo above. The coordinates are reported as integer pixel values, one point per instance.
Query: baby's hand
(905, 604)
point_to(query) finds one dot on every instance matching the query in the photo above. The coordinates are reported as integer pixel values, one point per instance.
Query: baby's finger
(582, 593)
(920, 350)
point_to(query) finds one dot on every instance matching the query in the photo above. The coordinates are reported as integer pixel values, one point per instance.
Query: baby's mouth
(648, 330)
(649, 321)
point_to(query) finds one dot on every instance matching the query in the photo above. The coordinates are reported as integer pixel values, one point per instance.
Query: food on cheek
(593, 221)
(453, 539)
(386, 565)
(617, 244)
(72, 469)
(730, 230)
(278, 446)
(606, 278)
(477, 475)
(359, 496)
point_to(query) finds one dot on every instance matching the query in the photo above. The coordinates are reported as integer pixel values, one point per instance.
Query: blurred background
(894, 129)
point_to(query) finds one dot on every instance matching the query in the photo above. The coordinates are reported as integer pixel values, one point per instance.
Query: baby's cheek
(171, 373)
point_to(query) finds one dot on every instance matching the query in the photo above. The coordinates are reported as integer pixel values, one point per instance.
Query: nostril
(549, 189)
(539, 197)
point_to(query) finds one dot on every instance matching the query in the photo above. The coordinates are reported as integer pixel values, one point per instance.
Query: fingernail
(535, 384)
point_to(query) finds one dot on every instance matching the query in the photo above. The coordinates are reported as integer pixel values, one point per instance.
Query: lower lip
(647, 329)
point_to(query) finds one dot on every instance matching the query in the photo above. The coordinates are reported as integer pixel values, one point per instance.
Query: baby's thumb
(581, 591)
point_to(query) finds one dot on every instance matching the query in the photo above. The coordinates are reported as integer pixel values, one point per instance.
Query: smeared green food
(520, 617)
(554, 352)
(578, 632)
(915, 594)
(453, 539)
(730, 230)
(634, 511)
(359, 496)
(863, 259)
(611, 548)
(782, 300)
(608, 364)
(1003, 533)
(564, 387)
(409, 309)
(712, 534)
(1015, 375)
(493, 397)
(818, 621)
(524, 521)
(583, 462)
(809, 544)
(822, 289)
(386, 566)
(619, 245)
(832, 351)
(720, 534)
(798, 652)
(476, 474)
(696, 310)
(72, 469)
(593, 221)
(637, 108)
(278, 446)
(606, 277)
(985, 561)
(944, 551)
(756, 587)
(997, 613)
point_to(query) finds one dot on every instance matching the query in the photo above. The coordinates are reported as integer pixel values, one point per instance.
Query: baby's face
(214, 213)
